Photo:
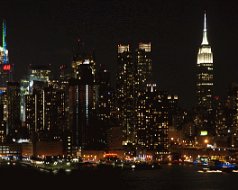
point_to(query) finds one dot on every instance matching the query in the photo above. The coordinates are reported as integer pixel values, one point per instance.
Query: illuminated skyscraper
(80, 111)
(104, 105)
(5, 67)
(45, 111)
(134, 72)
(231, 115)
(82, 97)
(125, 93)
(2, 126)
(205, 72)
(143, 71)
(152, 121)
(36, 74)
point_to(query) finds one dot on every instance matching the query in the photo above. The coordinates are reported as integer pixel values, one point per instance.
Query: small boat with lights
(222, 165)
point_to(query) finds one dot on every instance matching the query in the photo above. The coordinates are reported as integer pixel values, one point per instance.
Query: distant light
(203, 133)
(23, 141)
(123, 48)
(6, 67)
(145, 46)
(86, 62)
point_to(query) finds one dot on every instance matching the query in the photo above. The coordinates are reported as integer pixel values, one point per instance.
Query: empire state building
(204, 72)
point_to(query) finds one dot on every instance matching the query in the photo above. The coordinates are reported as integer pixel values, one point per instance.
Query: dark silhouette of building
(13, 109)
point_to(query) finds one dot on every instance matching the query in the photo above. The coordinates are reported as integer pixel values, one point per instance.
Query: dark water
(168, 177)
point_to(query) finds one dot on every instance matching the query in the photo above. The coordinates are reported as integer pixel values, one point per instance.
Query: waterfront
(167, 177)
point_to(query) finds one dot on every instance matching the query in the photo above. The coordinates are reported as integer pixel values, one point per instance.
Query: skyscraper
(45, 111)
(125, 93)
(13, 108)
(36, 74)
(143, 65)
(104, 103)
(80, 111)
(152, 121)
(5, 67)
(231, 115)
(205, 72)
(134, 72)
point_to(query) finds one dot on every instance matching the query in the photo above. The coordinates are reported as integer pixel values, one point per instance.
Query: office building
(13, 109)
(5, 67)
(205, 72)
(143, 67)
(125, 93)
(152, 123)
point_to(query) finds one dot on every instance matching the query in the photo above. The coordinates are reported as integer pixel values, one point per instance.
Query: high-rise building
(125, 93)
(84, 91)
(152, 122)
(13, 108)
(24, 90)
(5, 67)
(104, 103)
(37, 74)
(45, 111)
(221, 125)
(204, 72)
(34, 108)
(30, 113)
(80, 112)
(143, 67)
(231, 115)
(2, 126)
(134, 72)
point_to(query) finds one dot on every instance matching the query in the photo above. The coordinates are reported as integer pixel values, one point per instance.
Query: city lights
(117, 100)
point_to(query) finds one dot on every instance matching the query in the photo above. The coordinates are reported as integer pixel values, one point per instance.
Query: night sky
(46, 33)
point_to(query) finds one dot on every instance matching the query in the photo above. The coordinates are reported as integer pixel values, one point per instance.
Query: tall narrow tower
(4, 43)
(125, 93)
(5, 67)
(204, 72)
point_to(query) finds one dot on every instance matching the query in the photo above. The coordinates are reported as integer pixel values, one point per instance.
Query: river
(174, 177)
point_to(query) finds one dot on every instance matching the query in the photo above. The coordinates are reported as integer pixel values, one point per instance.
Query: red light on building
(6, 67)
(110, 155)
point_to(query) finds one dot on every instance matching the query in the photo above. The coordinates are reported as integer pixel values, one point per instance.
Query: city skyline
(46, 33)
(140, 94)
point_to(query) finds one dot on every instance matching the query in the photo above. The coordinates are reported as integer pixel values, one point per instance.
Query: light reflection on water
(180, 177)
(168, 177)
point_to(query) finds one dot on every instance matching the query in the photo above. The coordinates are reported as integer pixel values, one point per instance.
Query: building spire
(4, 43)
(204, 38)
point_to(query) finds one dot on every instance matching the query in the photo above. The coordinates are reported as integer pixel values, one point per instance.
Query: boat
(222, 165)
